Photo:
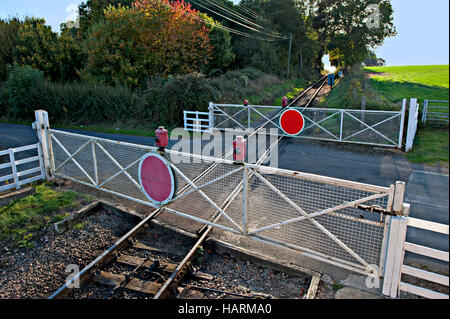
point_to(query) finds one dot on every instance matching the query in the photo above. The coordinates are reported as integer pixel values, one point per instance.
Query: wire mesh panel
(338, 125)
(113, 167)
(315, 214)
(318, 217)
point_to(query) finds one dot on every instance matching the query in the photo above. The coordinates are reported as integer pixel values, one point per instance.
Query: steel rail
(305, 91)
(315, 95)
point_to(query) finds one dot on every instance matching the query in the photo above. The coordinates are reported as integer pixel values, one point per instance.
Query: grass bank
(424, 82)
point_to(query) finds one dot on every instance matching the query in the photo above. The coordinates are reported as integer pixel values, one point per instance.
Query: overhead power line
(237, 32)
(244, 34)
(239, 16)
(239, 23)
(252, 13)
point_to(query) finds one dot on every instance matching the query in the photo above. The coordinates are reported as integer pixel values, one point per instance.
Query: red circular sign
(157, 179)
(292, 122)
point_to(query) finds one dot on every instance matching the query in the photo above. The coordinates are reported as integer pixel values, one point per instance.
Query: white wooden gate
(395, 267)
(435, 112)
(16, 172)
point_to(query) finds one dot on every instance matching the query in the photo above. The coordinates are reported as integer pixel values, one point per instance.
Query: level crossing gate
(380, 128)
(340, 222)
(335, 221)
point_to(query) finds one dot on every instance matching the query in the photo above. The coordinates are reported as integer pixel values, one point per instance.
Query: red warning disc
(156, 178)
(292, 122)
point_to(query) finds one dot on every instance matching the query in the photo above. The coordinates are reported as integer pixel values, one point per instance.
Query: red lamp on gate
(162, 138)
(284, 102)
(239, 149)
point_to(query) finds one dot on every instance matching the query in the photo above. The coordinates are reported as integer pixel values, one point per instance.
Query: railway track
(152, 271)
(152, 285)
(307, 97)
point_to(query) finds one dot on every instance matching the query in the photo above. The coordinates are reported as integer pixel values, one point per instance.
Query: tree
(372, 59)
(92, 11)
(58, 56)
(351, 33)
(151, 38)
(9, 30)
(220, 40)
(36, 46)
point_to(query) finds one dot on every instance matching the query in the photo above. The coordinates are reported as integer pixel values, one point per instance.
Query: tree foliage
(348, 31)
(58, 56)
(9, 29)
(151, 38)
(92, 11)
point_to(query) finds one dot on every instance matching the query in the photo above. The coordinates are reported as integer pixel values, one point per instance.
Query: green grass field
(424, 82)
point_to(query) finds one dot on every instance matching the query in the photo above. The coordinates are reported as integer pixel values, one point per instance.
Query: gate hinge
(376, 209)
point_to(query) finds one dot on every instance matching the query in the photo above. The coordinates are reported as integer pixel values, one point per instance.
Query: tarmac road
(427, 188)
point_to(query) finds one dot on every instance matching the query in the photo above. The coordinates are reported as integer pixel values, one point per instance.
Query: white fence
(435, 112)
(14, 172)
(382, 128)
(195, 121)
(395, 268)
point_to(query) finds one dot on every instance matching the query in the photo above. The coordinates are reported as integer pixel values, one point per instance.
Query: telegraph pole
(289, 59)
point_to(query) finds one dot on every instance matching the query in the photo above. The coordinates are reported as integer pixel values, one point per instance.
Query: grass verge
(431, 146)
(22, 218)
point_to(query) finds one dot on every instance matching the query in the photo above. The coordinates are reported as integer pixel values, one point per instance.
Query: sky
(422, 26)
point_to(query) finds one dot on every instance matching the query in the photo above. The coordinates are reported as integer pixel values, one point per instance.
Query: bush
(88, 103)
(21, 87)
(68, 103)
(165, 103)
(162, 103)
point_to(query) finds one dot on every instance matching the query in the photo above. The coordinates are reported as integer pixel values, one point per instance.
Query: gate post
(396, 236)
(394, 256)
(402, 124)
(245, 201)
(424, 111)
(42, 126)
(412, 124)
(211, 117)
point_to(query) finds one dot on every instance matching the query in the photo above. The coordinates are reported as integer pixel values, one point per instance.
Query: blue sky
(422, 26)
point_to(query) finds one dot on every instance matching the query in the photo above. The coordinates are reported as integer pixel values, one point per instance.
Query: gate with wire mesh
(382, 128)
(336, 221)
